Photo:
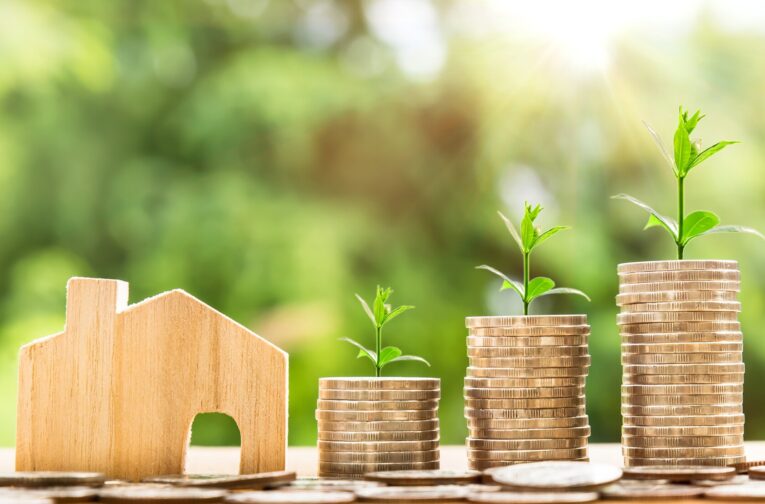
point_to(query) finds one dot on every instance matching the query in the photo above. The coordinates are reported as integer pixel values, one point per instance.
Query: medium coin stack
(524, 389)
(377, 424)
(683, 375)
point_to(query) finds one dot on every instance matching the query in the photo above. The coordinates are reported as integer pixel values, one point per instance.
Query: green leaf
(653, 221)
(698, 223)
(709, 152)
(367, 309)
(528, 232)
(513, 231)
(734, 229)
(667, 223)
(566, 290)
(657, 139)
(387, 354)
(415, 358)
(538, 286)
(508, 283)
(396, 312)
(549, 233)
(379, 305)
(682, 146)
(690, 123)
(363, 351)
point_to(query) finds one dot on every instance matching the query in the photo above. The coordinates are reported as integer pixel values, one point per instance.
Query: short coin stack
(524, 389)
(683, 375)
(377, 424)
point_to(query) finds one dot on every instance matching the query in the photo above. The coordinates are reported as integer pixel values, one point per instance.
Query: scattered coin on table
(251, 481)
(64, 494)
(647, 491)
(326, 484)
(443, 493)
(160, 494)
(24, 500)
(291, 497)
(533, 497)
(757, 472)
(753, 491)
(743, 467)
(557, 475)
(422, 478)
(51, 478)
(679, 473)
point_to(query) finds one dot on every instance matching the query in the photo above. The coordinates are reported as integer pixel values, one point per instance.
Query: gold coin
(703, 431)
(693, 306)
(327, 404)
(378, 395)
(644, 491)
(379, 446)
(381, 436)
(677, 379)
(523, 372)
(681, 441)
(528, 413)
(683, 474)
(522, 393)
(668, 348)
(680, 358)
(522, 352)
(747, 492)
(240, 481)
(675, 390)
(425, 478)
(375, 416)
(683, 400)
(698, 316)
(668, 369)
(525, 434)
(531, 362)
(680, 276)
(676, 265)
(527, 455)
(313, 484)
(526, 444)
(527, 332)
(292, 497)
(361, 468)
(680, 286)
(545, 403)
(528, 423)
(717, 451)
(375, 457)
(533, 497)
(675, 296)
(392, 383)
(686, 421)
(556, 476)
(154, 493)
(677, 410)
(677, 327)
(677, 338)
(756, 472)
(488, 465)
(660, 461)
(525, 341)
(51, 495)
(526, 321)
(32, 479)
(368, 426)
(501, 383)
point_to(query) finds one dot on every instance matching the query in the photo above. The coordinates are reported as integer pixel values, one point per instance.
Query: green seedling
(380, 314)
(687, 156)
(528, 239)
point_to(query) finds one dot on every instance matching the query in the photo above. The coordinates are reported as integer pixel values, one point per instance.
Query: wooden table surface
(303, 459)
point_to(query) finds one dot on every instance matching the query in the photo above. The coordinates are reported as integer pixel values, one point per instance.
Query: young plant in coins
(529, 239)
(380, 314)
(688, 154)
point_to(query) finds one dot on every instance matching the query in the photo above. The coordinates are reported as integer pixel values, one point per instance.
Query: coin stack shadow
(683, 375)
(524, 389)
(377, 424)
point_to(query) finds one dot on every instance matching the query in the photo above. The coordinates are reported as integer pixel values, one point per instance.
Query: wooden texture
(118, 389)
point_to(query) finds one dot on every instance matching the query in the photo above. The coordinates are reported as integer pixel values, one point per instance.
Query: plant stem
(378, 347)
(680, 215)
(526, 261)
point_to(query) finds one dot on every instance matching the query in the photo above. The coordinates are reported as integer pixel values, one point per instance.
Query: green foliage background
(273, 169)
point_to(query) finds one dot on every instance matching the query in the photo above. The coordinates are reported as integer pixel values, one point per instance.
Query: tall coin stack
(683, 375)
(377, 424)
(524, 389)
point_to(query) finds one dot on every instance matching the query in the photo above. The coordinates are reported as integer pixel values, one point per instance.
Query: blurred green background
(274, 157)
